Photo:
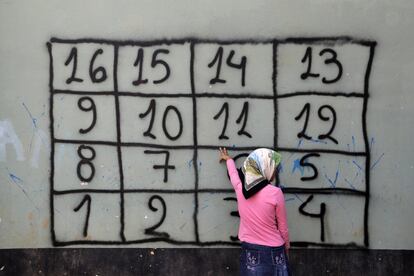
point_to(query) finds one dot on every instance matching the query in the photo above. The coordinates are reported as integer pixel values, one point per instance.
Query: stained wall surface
(112, 113)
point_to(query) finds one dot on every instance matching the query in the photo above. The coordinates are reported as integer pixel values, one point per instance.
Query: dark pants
(263, 260)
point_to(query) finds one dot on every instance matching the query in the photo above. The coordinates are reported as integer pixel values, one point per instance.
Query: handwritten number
(225, 109)
(320, 215)
(139, 61)
(303, 162)
(241, 65)
(305, 110)
(73, 56)
(308, 57)
(151, 230)
(155, 61)
(86, 199)
(164, 123)
(334, 60)
(85, 160)
(151, 109)
(243, 116)
(97, 74)
(91, 107)
(217, 59)
(328, 135)
(233, 214)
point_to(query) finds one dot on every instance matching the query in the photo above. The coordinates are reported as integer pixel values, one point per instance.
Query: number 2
(151, 230)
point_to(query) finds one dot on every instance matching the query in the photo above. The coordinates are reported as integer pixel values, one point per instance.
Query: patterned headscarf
(258, 169)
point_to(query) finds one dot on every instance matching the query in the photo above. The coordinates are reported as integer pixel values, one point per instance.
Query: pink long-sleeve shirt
(262, 216)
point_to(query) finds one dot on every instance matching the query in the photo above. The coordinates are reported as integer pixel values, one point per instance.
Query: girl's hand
(224, 156)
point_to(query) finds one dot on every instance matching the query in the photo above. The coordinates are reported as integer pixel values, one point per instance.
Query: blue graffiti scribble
(353, 143)
(299, 143)
(280, 168)
(296, 165)
(372, 142)
(301, 200)
(334, 181)
(318, 141)
(377, 161)
(18, 181)
(349, 183)
(289, 199)
(358, 166)
(190, 163)
(34, 120)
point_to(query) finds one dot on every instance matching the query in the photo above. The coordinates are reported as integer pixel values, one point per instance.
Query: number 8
(85, 161)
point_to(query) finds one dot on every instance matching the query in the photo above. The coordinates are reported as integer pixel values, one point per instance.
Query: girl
(263, 228)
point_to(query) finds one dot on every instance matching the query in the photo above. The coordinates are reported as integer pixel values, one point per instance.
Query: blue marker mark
(298, 198)
(358, 166)
(18, 181)
(318, 141)
(34, 120)
(350, 184)
(299, 143)
(190, 163)
(289, 199)
(296, 165)
(332, 182)
(280, 168)
(377, 161)
(15, 178)
(353, 143)
(372, 142)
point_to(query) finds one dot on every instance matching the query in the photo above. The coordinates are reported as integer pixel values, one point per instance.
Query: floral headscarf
(258, 169)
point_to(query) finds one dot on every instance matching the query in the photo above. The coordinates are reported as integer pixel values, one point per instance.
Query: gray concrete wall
(346, 116)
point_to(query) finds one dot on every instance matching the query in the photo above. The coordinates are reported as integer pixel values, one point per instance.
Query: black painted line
(184, 147)
(119, 151)
(332, 245)
(351, 245)
(317, 93)
(367, 149)
(343, 191)
(247, 95)
(141, 241)
(91, 142)
(155, 95)
(275, 102)
(81, 92)
(195, 141)
(289, 190)
(95, 191)
(329, 40)
(122, 93)
(125, 144)
(230, 147)
(207, 147)
(52, 146)
(142, 190)
(341, 152)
